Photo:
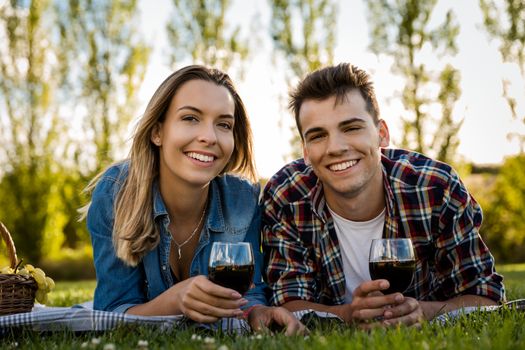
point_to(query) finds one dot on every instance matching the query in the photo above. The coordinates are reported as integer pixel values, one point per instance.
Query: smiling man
(322, 212)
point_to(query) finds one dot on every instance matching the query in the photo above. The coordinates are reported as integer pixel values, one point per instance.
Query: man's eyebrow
(351, 121)
(341, 124)
(312, 131)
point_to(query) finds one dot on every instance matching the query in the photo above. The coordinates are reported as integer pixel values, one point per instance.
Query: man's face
(342, 144)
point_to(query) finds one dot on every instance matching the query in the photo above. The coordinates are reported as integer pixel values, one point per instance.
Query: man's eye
(352, 128)
(315, 137)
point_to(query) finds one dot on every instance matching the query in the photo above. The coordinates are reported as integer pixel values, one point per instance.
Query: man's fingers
(295, 328)
(370, 286)
(368, 314)
(402, 309)
(378, 302)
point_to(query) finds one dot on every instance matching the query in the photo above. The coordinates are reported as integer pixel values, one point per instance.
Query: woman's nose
(207, 134)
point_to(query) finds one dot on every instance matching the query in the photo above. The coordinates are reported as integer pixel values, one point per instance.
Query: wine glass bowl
(231, 265)
(392, 259)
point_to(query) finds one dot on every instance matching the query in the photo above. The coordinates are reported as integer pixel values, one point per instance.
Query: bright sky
(487, 118)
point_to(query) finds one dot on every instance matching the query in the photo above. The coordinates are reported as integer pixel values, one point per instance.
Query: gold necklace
(179, 246)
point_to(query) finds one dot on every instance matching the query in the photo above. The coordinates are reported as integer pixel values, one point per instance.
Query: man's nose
(337, 144)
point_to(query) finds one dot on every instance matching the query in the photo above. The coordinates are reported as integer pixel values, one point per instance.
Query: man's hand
(262, 317)
(408, 312)
(368, 303)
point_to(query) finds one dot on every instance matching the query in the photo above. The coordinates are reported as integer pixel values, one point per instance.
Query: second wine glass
(392, 259)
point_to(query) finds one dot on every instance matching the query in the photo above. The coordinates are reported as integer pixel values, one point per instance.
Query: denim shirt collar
(215, 217)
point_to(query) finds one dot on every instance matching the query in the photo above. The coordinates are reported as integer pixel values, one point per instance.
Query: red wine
(398, 272)
(237, 277)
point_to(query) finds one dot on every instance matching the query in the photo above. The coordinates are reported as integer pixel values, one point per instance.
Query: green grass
(477, 331)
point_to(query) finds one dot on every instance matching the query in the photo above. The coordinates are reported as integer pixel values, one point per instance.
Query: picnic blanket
(82, 318)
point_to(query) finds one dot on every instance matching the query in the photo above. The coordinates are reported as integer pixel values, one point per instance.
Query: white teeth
(201, 157)
(343, 166)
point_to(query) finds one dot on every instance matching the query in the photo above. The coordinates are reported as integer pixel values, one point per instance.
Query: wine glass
(392, 259)
(231, 265)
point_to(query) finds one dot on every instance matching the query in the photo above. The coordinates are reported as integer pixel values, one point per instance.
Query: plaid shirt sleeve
(464, 264)
(290, 269)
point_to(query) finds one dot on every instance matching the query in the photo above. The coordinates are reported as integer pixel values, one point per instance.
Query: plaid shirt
(425, 201)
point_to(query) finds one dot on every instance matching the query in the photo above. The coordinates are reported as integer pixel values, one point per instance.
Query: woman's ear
(155, 136)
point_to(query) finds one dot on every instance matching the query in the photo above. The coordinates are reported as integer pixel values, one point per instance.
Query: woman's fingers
(210, 310)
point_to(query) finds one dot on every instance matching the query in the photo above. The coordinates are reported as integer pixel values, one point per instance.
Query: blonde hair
(134, 231)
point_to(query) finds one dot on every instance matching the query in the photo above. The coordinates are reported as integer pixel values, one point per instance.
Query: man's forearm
(432, 309)
(338, 310)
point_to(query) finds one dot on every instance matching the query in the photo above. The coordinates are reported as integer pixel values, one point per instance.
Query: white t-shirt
(355, 238)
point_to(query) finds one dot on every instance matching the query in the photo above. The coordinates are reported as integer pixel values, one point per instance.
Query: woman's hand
(204, 301)
(263, 317)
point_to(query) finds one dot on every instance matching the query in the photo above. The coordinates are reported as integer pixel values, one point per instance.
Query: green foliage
(505, 22)
(28, 123)
(199, 29)
(402, 30)
(70, 265)
(504, 224)
(106, 63)
(67, 293)
(306, 49)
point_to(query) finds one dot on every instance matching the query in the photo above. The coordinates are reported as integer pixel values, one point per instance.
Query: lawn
(502, 330)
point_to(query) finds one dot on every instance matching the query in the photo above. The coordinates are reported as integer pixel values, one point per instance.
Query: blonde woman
(153, 217)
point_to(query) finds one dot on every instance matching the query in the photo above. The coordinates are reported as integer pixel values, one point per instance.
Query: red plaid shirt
(425, 201)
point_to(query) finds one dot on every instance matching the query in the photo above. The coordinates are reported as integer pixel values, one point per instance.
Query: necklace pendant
(179, 253)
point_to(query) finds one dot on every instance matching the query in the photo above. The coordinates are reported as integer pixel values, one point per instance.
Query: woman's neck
(184, 203)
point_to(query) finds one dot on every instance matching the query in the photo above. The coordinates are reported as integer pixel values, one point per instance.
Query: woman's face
(196, 138)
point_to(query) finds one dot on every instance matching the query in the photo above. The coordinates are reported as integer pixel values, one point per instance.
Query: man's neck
(363, 206)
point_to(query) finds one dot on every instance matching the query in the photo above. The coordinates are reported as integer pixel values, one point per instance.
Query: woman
(153, 217)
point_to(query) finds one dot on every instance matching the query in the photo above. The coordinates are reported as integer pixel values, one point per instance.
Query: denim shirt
(233, 216)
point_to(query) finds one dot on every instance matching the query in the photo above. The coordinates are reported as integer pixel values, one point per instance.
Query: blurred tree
(28, 122)
(505, 22)
(504, 208)
(304, 34)
(401, 29)
(104, 59)
(199, 30)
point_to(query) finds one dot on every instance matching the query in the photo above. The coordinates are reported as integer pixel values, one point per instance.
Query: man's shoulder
(416, 169)
(293, 181)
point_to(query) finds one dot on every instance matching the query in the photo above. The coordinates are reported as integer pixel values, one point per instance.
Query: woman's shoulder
(112, 177)
(230, 182)
(236, 190)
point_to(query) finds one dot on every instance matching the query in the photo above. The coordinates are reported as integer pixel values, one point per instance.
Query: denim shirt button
(164, 267)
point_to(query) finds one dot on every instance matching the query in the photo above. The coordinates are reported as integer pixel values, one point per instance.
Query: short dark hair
(335, 81)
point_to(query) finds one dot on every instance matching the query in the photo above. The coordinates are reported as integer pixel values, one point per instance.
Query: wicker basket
(17, 292)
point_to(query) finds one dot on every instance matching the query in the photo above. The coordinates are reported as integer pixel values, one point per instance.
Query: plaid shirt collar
(391, 229)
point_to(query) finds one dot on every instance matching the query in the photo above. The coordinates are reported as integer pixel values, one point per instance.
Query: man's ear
(384, 134)
(305, 155)
(155, 136)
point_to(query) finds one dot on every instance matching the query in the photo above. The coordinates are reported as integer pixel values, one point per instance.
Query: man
(321, 214)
